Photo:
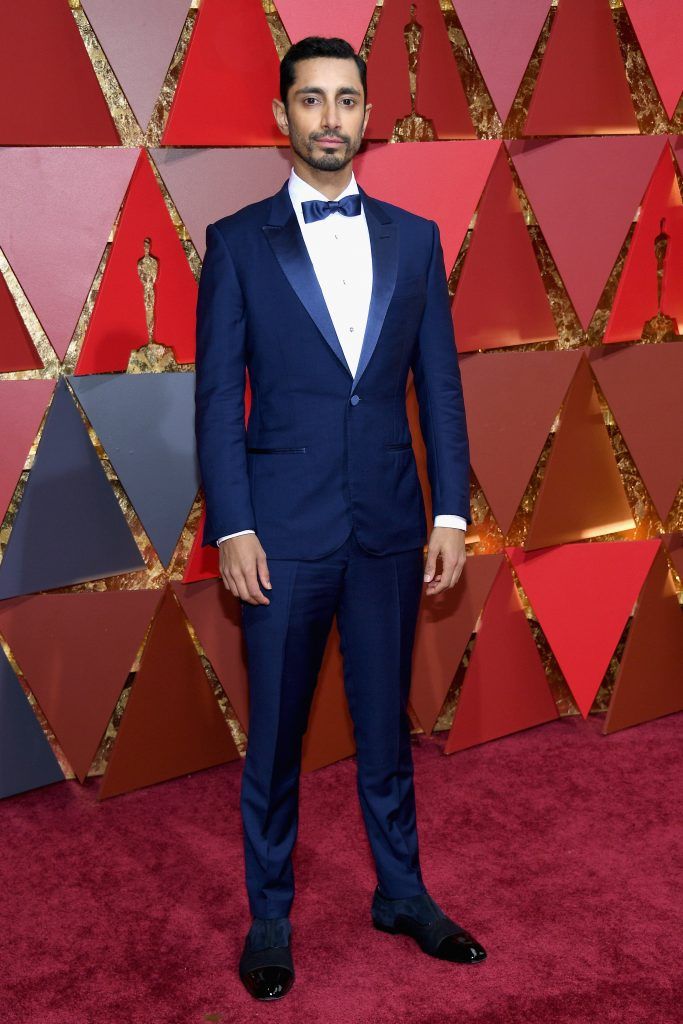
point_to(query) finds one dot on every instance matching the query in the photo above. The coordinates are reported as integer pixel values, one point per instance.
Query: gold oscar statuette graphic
(414, 127)
(150, 356)
(660, 327)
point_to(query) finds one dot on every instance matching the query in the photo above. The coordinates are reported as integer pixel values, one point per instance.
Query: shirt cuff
(457, 522)
(234, 535)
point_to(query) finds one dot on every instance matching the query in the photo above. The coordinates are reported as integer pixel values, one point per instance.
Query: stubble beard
(333, 161)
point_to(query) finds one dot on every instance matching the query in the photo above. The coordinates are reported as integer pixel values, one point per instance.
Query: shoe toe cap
(268, 982)
(462, 948)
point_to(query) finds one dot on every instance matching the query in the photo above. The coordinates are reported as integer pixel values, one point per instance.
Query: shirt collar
(300, 190)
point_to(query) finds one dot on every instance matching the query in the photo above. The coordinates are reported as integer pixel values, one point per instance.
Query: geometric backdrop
(548, 146)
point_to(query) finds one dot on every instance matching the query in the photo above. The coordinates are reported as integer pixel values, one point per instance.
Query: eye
(313, 99)
(349, 101)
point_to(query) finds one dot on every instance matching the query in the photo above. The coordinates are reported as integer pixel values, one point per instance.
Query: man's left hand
(448, 543)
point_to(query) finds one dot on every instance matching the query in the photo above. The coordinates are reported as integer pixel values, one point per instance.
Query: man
(328, 297)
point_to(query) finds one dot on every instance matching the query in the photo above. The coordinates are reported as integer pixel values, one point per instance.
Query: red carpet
(558, 847)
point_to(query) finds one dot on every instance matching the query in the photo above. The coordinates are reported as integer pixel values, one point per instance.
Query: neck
(330, 183)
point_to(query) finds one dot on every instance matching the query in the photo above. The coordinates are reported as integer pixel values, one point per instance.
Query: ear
(368, 108)
(280, 115)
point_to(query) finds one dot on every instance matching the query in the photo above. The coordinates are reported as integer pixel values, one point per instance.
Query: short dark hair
(318, 46)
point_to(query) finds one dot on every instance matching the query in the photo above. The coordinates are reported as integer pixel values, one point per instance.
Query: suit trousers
(376, 600)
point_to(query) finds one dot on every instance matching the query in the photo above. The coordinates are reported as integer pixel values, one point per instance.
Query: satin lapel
(384, 246)
(286, 240)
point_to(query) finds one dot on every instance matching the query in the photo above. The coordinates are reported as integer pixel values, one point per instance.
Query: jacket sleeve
(439, 393)
(220, 368)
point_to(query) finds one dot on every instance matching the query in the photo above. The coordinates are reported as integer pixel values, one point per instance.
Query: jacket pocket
(273, 451)
(397, 446)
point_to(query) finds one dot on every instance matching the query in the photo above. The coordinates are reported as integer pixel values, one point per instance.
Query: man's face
(325, 117)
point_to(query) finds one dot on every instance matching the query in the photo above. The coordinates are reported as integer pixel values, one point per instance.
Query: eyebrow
(344, 90)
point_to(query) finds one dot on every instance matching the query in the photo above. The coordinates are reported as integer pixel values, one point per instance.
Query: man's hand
(449, 543)
(242, 563)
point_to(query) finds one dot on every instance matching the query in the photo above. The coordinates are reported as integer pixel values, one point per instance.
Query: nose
(330, 116)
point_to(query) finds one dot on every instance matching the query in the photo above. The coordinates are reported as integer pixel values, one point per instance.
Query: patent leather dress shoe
(424, 920)
(266, 967)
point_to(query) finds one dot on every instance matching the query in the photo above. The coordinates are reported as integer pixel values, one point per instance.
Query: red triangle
(88, 642)
(228, 80)
(501, 299)
(505, 687)
(581, 494)
(117, 324)
(50, 93)
(511, 400)
(444, 627)
(637, 298)
(22, 406)
(349, 20)
(440, 94)
(172, 723)
(17, 351)
(585, 193)
(439, 180)
(582, 595)
(585, 96)
(659, 27)
(502, 37)
(217, 620)
(649, 683)
(643, 385)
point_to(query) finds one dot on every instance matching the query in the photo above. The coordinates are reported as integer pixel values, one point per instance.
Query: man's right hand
(242, 563)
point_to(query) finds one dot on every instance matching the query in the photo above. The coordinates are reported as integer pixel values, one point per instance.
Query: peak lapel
(384, 247)
(285, 238)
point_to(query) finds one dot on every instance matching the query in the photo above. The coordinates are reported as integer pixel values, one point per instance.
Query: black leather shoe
(266, 967)
(422, 919)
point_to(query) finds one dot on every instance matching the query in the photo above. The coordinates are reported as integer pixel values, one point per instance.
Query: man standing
(327, 297)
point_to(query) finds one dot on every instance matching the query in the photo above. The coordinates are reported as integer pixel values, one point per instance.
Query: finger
(430, 564)
(242, 588)
(264, 575)
(254, 589)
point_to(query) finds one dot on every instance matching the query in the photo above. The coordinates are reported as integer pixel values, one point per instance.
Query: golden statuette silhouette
(414, 127)
(151, 355)
(660, 327)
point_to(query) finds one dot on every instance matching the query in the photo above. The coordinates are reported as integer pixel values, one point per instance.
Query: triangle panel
(505, 687)
(582, 595)
(88, 642)
(145, 422)
(649, 683)
(172, 724)
(69, 527)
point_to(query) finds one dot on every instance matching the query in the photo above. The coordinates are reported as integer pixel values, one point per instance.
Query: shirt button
(355, 399)
(351, 330)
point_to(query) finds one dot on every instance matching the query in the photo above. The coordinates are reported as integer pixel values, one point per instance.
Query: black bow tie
(318, 209)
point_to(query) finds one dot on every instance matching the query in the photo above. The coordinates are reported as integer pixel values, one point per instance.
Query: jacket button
(355, 399)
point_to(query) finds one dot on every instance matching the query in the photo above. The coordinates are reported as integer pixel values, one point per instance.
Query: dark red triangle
(511, 400)
(649, 683)
(172, 723)
(88, 642)
(505, 687)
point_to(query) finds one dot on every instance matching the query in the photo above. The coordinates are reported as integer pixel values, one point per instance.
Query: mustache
(330, 135)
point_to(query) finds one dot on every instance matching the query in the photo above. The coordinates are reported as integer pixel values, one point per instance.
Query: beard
(303, 146)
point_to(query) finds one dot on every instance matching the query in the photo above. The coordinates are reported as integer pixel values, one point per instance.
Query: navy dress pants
(375, 599)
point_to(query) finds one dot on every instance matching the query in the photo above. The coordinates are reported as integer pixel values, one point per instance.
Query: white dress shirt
(339, 248)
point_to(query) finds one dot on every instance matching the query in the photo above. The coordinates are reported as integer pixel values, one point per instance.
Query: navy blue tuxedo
(324, 450)
(325, 474)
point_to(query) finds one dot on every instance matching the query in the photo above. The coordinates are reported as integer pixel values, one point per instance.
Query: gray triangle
(145, 422)
(69, 527)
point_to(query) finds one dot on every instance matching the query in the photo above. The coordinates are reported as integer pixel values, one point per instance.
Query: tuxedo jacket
(324, 451)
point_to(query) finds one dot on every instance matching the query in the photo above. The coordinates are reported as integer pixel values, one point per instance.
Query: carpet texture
(559, 848)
